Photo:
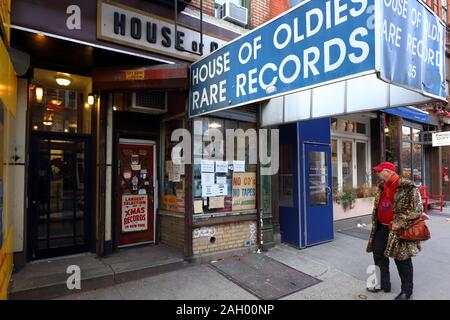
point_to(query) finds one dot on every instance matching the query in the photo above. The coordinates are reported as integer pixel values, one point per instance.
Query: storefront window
(416, 135)
(406, 133)
(348, 126)
(59, 102)
(406, 160)
(224, 176)
(417, 163)
(347, 164)
(361, 160)
(334, 163)
(173, 192)
(349, 147)
(412, 154)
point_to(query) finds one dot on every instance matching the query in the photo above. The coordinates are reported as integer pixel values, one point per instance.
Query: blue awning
(409, 113)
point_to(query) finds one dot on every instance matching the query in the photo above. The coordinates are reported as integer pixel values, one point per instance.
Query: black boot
(403, 296)
(375, 290)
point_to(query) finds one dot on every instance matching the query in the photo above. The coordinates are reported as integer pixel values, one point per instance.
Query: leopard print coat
(407, 208)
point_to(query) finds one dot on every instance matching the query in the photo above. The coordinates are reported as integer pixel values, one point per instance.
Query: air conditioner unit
(154, 102)
(234, 13)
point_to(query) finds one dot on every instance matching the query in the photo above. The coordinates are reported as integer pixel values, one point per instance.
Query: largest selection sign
(316, 43)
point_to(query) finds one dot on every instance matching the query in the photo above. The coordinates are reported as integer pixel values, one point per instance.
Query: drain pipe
(261, 241)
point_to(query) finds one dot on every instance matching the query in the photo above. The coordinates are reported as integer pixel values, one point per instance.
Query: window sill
(208, 219)
(171, 214)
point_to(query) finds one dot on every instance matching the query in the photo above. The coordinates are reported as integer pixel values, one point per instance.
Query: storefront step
(48, 279)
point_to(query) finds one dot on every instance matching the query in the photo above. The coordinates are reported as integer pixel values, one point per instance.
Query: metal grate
(149, 101)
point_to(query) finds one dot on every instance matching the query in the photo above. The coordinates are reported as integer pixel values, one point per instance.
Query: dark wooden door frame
(89, 217)
(126, 134)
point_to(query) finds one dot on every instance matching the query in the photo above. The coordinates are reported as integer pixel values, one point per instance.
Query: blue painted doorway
(318, 196)
(305, 182)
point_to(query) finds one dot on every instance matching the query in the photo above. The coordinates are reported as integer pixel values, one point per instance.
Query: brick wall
(226, 236)
(172, 231)
(208, 6)
(262, 11)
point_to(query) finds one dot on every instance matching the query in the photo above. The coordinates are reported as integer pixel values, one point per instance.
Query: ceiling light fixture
(56, 102)
(48, 121)
(91, 99)
(39, 94)
(63, 79)
(215, 125)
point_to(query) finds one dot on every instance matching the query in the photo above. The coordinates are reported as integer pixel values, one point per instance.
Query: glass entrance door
(318, 195)
(59, 208)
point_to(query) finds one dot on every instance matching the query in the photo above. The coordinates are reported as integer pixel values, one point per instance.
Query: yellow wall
(8, 81)
(5, 8)
(8, 96)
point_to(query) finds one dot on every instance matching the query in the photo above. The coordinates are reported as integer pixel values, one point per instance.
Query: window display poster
(216, 202)
(221, 166)
(198, 206)
(244, 191)
(208, 191)
(228, 200)
(176, 172)
(220, 190)
(238, 166)
(134, 213)
(170, 203)
(207, 165)
(221, 180)
(207, 178)
(180, 199)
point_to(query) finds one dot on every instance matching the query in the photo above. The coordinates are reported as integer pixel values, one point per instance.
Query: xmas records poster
(134, 213)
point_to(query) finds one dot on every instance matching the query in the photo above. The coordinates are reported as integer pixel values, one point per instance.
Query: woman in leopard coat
(397, 205)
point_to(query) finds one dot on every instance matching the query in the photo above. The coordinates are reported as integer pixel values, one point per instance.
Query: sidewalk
(44, 279)
(341, 265)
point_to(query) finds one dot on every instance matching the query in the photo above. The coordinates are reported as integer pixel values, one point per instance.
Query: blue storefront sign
(314, 43)
(412, 46)
(321, 42)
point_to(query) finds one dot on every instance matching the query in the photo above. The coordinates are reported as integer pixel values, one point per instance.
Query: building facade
(94, 114)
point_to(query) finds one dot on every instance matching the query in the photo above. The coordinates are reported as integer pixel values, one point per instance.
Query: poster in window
(134, 213)
(208, 178)
(216, 202)
(244, 191)
(221, 166)
(239, 166)
(198, 206)
(208, 166)
(220, 190)
(221, 180)
(208, 191)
